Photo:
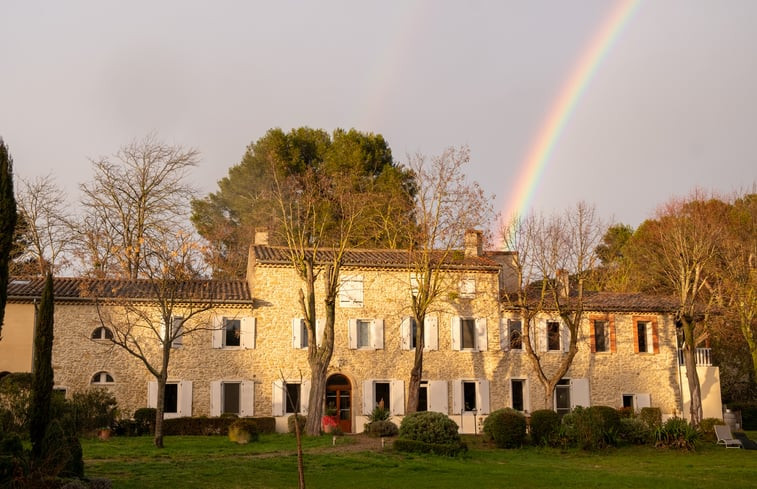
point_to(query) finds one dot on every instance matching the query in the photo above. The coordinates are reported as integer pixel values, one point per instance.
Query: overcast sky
(672, 105)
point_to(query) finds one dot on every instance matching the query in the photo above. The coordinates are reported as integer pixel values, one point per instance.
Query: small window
(102, 378)
(645, 337)
(628, 401)
(553, 336)
(518, 394)
(382, 394)
(231, 401)
(468, 333)
(469, 396)
(351, 291)
(171, 399)
(423, 396)
(364, 333)
(293, 398)
(562, 397)
(516, 334)
(102, 333)
(232, 332)
(468, 288)
(413, 333)
(177, 332)
(601, 335)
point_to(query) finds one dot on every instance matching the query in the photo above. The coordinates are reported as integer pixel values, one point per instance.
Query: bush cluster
(413, 446)
(748, 413)
(707, 428)
(93, 409)
(592, 428)
(651, 416)
(634, 431)
(381, 428)
(15, 399)
(429, 427)
(506, 427)
(676, 433)
(301, 420)
(545, 426)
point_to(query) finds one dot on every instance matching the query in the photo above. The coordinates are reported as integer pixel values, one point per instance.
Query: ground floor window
(382, 394)
(562, 397)
(231, 397)
(517, 388)
(293, 392)
(171, 399)
(469, 396)
(423, 396)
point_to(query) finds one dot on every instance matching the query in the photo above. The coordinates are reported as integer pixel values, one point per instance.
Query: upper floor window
(602, 334)
(102, 333)
(409, 331)
(234, 333)
(366, 334)
(515, 331)
(645, 335)
(468, 288)
(299, 334)
(469, 334)
(177, 332)
(351, 291)
(102, 378)
(553, 335)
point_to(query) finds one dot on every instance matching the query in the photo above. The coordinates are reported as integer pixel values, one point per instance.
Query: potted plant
(330, 421)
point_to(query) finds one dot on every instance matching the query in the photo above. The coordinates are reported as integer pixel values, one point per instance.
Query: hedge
(212, 426)
(414, 446)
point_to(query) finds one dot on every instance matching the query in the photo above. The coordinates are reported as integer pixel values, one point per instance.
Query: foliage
(381, 428)
(748, 413)
(12, 457)
(707, 428)
(15, 399)
(651, 416)
(42, 371)
(61, 451)
(416, 446)
(93, 409)
(676, 433)
(301, 420)
(145, 419)
(507, 427)
(380, 413)
(634, 431)
(8, 218)
(544, 426)
(592, 428)
(429, 427)
(243, 430)
(626, 412)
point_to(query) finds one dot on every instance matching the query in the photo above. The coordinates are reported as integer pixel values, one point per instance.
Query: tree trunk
(42, 375)
(158, 440)
(690, 361)
(416, 373)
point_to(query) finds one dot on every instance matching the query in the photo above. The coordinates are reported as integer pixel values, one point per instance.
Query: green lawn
(210, 462)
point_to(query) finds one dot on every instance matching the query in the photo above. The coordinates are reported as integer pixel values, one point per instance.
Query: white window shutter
(248, 332)
(504, 334)
(177, 332)
(455, 330)
(247, 398)
(152, 394)
(579, 393)
(482, 341)
(368, 394)
(352, 333)
(217, 332)
(650, 338)
(398, 397)
(215, 398)
(431, 333)
(185, 398)
(564, 336)
(642, 401)
(483, 396)
(437, 396)
(405, 332)
(319, 331)
(162, 332)
(377, 334)
(457, 396)
(304, 396)
(297, 333)
(277, 397)
(541, 335)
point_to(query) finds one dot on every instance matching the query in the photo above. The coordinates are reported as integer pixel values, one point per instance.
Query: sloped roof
(612, 302)
(79, 289)
(376, 258)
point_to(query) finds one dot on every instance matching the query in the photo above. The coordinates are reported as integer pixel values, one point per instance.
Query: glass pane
(363, 334)
(600, 335)
(469, 395)
(233, 334)
(553, 335)
(381, 397)
(344, 405)
(171, 400)
(642, 332)
(293, 398)
(231, 397)
(516, 342)
(562, 396)
(423, 398)
(468, 335)
(331, 403)
(517, 390)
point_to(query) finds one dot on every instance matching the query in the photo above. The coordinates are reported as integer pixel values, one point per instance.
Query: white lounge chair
(725, 437)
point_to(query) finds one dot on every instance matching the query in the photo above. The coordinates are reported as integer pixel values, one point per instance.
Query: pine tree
(7, 224)
(42, 375)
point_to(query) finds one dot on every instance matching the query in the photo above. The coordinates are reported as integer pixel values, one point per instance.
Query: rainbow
(549, 134)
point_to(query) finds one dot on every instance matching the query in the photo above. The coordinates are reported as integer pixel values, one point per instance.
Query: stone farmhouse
(250, 358)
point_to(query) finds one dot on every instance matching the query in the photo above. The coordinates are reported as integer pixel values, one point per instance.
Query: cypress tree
(7, 224)
(42, 375)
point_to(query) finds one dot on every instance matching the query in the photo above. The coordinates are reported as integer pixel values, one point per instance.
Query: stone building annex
(250, 358)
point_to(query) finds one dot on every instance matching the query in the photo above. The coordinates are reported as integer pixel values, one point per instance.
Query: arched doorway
(339, 398)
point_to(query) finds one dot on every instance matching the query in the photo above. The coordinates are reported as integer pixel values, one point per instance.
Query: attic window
(102, 333)
(102, 378)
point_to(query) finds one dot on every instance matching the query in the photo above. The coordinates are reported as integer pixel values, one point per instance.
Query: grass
(214, 462)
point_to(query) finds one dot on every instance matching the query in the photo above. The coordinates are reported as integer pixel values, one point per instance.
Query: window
(102, 378)
(382, 394)
(468, 288)
(171, 399)
(645, 335)
(102, 333)
(389, 392)
(423, 396)
(570, 393)
(177, 332)
(602, 334)
(553, 336)
(470, 395)
(562, 397)
(515, 334)
(409, 331)
(518, 394)
(231, 396)
(177, 401)
(636, 401)
(413, 333)
(628, 401)
(290, 397)
(469, 334)
(293, 398)
(366, 334)
(234, 333)
(351, 291)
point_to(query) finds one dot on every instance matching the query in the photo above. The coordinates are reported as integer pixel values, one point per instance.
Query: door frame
(344, 424)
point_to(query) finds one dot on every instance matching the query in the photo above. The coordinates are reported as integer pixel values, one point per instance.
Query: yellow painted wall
(17, 338)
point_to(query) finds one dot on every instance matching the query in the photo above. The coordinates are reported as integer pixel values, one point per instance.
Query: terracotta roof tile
(616, 302)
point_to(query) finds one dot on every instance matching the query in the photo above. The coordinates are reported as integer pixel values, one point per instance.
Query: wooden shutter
(397, 389)
(185, 398)
(406, 331)
(152, 394)
(215, 398)
(297, 333)
(319, 331)
(377, 334)
(217, 332)
(482, 341)
(177, 332)
(457, 396)
(655, 338)
(431, 333)
(278, 395)
(579, 393)
(635, 335)
(247, 398)
(592, 336)
(613, 346)
(438, 399)
(483, 396)
(564, 336)
(642, 401)
(541, 335)
(455, 330)
(352, 333)
(247, 339)
(304, 396)
(504, 334)
(368, 394)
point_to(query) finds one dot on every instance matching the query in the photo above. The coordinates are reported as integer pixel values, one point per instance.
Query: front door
(339, 401)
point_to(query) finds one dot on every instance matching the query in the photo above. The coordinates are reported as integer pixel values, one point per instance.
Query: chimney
(261, 236)
(562, 281)
(474, 243)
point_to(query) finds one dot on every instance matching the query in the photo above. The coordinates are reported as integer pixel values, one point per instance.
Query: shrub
(380, 413)
(197, 426)
(634, 431)
(707, 428)
(243, 431)
(545, 426)
(651, 416)
(15, 399)
(145, 419)
(429, 427)
(301, 420)
(592, 428)
(676, 433)
(93, 409)
(13, 459)
(62, 453)
(507, 427)
(414, 446)
(626, 412)
(381, 428)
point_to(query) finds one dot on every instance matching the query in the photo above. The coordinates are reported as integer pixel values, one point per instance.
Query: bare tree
(136, 197)
(47, 224)
(446, 205)
(551, 254)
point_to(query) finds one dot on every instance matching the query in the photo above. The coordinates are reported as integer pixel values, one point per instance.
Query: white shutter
(564, 336)
(504, 334)
(278, 394)
(457, 396)
(152, 394)
(642, 401)
(650, 338)
(455, 330)
(431, 333)
(304, 396)
(246, 398)
(398, 397)
(248, 332)
(405, 333)
(438, 400)
(217, 332)
(297, 333)
(352, 333)
(541, 335)
(215, 398)
(185, 398)
(377, 334)
(482, 341)
(162, 332)
(483, 396)
(319, 331)
(368, 394)
(579, 393)
(177, 326)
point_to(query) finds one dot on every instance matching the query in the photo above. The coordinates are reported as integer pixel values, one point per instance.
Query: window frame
(101, 382)
(482, 392)
(480, 338)
(651, 335)
(248, 326)
(279, 396)
(246, 396)
(467, 287)
(376, 333)
(184, 397)
(351, 291)
(610, 335)
(396, 403)
(106, 334)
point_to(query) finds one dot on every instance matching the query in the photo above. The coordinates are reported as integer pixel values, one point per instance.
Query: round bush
(145, 420)
(545, 425)
(507, 427)
(381, 428)
(429, 427)
(243, 431)
(301, 420)
(634, 431)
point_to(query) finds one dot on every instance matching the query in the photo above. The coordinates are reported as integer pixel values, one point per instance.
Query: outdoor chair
(725, 437)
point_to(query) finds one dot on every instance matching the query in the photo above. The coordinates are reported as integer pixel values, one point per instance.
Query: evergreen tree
(42, 374)
(7, 224)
